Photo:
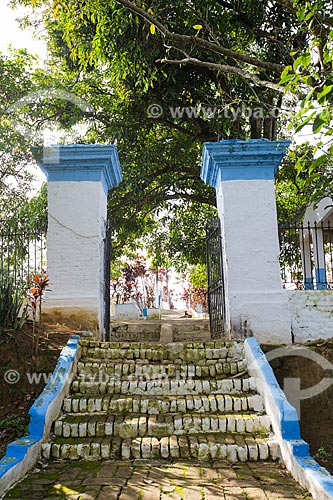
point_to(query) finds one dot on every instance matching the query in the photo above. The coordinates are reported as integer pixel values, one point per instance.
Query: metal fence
(23, 252)
(306, 256)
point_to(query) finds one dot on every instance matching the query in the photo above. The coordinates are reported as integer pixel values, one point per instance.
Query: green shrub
(13, 427)
(13, 309)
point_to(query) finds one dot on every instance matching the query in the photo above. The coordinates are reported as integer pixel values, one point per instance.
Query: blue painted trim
(320, 273)
(308, 284)
(289, 419)
(82, 162)
(17, 450)
(289, 423)
(255, 159)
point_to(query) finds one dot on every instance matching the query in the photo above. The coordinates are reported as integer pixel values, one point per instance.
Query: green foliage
(107, 38)
(196, 293)
(198, 276)
(31, 215)
(15, 167)
(14, 426)
(324, 454)
(310, 78)
(179, 235)
(110, 56)
(13, 309)
(299, 180)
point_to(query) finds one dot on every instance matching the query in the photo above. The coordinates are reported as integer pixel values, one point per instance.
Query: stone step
(126, 426)
(183, 353)
(156, 371)
(135, 336)
(107, 384)
(233, 448)
(191, 336)
(156, 405)
(154, 337)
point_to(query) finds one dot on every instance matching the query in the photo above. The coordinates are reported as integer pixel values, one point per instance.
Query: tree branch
(201, 42)
(226, 69)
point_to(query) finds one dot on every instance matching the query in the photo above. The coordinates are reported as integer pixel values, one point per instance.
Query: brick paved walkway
(179, 481)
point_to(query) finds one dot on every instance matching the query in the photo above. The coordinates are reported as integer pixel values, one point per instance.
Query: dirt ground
(18, 387)
(316, 413)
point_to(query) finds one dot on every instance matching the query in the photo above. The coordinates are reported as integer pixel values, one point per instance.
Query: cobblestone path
(117, 480)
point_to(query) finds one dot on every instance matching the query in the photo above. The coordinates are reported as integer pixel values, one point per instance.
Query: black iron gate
(106, 282)
(216, 302)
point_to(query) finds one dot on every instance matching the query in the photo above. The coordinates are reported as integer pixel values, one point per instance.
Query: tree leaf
(318, 124)
(326, 90)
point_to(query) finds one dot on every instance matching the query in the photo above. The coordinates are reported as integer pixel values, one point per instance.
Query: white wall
(311, 313)
(77, 213)
(254, 295)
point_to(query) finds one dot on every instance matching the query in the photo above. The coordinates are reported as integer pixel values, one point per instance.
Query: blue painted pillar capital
(82, 162)
(241, 160)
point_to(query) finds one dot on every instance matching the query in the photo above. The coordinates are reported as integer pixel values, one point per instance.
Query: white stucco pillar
(79, 178)
(242, 173)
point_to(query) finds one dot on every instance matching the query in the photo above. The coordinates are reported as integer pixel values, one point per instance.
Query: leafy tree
(310, 78)
(299, 181)
(16, 159)
(122, 57)
(173, 242)
(198, 276)
(211, 53)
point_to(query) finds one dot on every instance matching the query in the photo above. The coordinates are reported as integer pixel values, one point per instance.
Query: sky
(11, 34)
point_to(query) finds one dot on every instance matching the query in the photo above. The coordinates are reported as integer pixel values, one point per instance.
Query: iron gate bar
(216, 296)
(106, 294)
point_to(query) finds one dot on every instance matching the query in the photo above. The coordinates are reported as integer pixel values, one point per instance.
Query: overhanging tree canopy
(123, 57)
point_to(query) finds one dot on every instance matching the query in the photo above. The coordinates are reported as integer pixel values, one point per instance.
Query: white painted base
(255, 301)
(263, 315)
(127, 311)
(75, 252)
(311, 313)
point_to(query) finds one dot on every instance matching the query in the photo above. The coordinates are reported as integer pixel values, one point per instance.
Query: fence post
(242, 173)
(314, 218)
(79, 178)
(305, 244)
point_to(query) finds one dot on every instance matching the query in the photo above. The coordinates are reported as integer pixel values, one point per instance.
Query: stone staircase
(153, 401)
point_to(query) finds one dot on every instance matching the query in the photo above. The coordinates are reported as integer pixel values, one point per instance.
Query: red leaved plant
(38, 286)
